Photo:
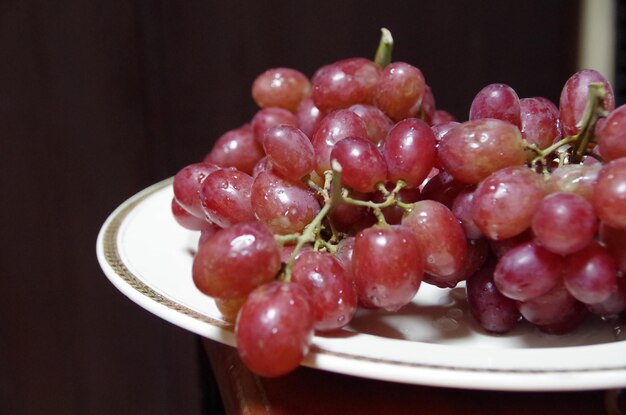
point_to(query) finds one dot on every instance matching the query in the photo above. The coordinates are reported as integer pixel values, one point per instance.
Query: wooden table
(311, 391)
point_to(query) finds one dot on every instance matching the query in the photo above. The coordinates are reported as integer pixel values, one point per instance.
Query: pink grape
(477, 254)
(345, 83)
(274, 328)
(499, 247)
(473, 150)
(352, 153)
(399, 90)
(442, 117)
(574, 97)
(443, 188)
(504, 203)
(330, 286)
(440, 237)
(236, 148)
(387, 266)
(564, 223)
(569, 322)
(539, 124)
(280, 87)
(609, 197)
(267, 118)
(409, 151)
(225, 197)
(493, 311)
(265, 164)
(527, 271)
(187, 185)
(591, 274)
(236, 260)
(497, 101)
(285, 207)
(290, 151)
(441, 129)
(207, 232)
(579, 179)
(549, 308)
(335, 127)
(186, 219)
(612, 135)
(308, 117)
(376, 122)
(462, 208)
(614, 304)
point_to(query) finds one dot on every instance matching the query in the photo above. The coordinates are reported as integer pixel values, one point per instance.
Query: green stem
(593, 110)
(385, 46)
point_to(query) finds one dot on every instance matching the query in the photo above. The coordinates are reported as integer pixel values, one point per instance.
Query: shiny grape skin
(274, 328)
(344, 83)
(332, 289)
(478, 252)
(399, 90)
(462, 209)
(504, 203)
(308, 117)
(591, 274)
(574, 97)
(440, 238)
(497, 101)
(376, 122)
(236, 148)
(579, 179)
(564, 223)
(474, 149)
(285, 207)
(443, 188)
(615, 241)
(549, 308)
(267, 118)
(493, 311)
(609, 197)
(539, 124)
(280, 87)
(187, 185)
(386, 266)
(290, 151)
(612, 135)
(186, 219)
(528, 271)
(362, 164)
(409, 151)
(225, 197)
(235, 260)
(332, 128)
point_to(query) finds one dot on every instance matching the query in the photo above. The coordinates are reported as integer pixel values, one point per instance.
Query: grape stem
(593, 111)
(385, 46)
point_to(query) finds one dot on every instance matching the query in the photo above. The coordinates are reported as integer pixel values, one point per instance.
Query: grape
(442, 117)
(331, 288)
(527, 271)
(280, 87)
(186, 219)
(265, 164)
(352, 153)
(443, 188)
(591, 274)
(441, 129)
(574, 178)
(549, 308)
(285, 207)
(477, 254)
(229, 307)
(473, 150)
(387, 267)
(289, 151)
(308, 117)
(574, 96)
(497, 101)
(399, 90)
(568, 323)
(285, 253)
(462, 209)
(614, 240)
(236, 148)
(409, 150)
(274, 328)
(376, 122)
(187, 185)
(539, 124)
(612, 135)
(267, 118)
(349, 218)
(614, 304)
(492, 310)
(440, 237)
(564, 223)
(334, 127)
(235, 260)
(344, 83)
(499, 247)
(609, 197)
(207, 232)
(344, 254)
(225, 197)
(504, 203)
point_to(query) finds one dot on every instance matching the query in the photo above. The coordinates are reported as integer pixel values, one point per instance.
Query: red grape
(236, 148)
(289, 151)
(591, 274)
(399, 90)
(187, 185)
(280, 87)
(352, 153)
(225, 197)
(497, 101)
(609, 197)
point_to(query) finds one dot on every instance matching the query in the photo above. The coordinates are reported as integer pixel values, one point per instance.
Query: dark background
(99, 99)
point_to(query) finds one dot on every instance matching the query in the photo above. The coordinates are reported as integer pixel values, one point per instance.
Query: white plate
(433, 341)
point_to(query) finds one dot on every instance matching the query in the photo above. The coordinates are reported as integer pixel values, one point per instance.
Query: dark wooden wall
(99, 99)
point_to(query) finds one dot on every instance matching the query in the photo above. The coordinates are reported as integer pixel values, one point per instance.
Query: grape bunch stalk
(351, 189)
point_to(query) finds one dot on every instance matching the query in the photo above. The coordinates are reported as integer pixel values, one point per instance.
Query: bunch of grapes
(351, 189)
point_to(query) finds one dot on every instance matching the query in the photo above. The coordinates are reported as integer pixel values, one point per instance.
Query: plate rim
(486, 378)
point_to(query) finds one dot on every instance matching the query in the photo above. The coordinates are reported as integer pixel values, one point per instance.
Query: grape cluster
(351, 189)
